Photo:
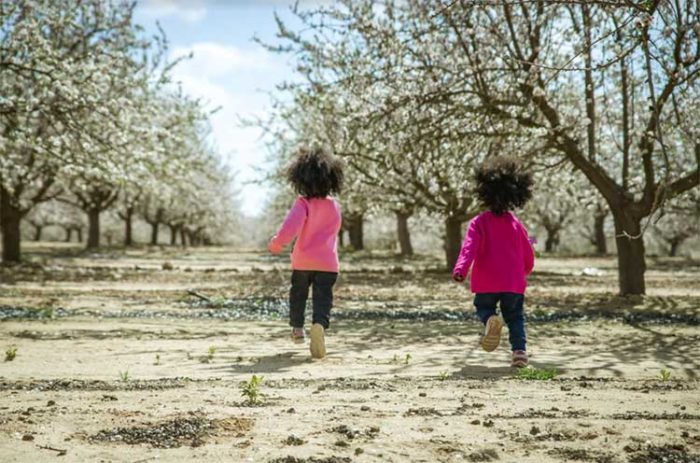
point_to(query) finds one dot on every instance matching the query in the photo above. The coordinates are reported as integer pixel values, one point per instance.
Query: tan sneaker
(318, 342)
(492, 333)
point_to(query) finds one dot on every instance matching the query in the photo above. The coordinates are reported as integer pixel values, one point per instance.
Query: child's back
(500, 245)
(315, 222)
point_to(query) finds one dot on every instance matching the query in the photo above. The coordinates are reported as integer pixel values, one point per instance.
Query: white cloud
(189, 11)
(214, 60)
(215, 75)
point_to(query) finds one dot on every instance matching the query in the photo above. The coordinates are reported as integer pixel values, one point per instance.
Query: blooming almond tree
(637, 66)
(359, 74)
(59, 108)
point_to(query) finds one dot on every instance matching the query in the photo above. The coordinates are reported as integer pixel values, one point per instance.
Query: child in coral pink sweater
(500, 254)
(314, 221)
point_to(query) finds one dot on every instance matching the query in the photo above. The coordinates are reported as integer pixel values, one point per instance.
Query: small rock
(488, 423)
(359, 451)
(365, 408)
(27, 437)
(168, 266)
(341, 443)
(475, 422)
(291, 410)
(422, 394)
(566, 388)
(534, 430)
(293, 440)
(50, 403)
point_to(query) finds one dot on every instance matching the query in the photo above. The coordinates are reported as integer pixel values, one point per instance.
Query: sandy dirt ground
(117, 361)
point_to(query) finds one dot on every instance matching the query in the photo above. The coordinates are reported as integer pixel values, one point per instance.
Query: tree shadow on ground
(614, 351)
(274, 363)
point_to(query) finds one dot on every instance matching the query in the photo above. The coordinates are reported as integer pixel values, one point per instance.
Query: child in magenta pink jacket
(499, 252)
(314, 221)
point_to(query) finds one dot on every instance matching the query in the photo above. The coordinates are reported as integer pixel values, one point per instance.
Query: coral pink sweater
(315, 222)
(501, 252)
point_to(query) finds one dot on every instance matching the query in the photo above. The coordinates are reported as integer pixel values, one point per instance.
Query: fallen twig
(61, 452)
(194, 293)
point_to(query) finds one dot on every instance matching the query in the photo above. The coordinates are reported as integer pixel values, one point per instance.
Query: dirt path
(396, 391)
(115, 374)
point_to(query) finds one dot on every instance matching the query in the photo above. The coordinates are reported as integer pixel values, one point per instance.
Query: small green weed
(10, 353)
(157, 361)
(218, 302)
(664, 374)
(407, 359)
(251, 390)
(444, 375)
(124, 376)
(540, 374)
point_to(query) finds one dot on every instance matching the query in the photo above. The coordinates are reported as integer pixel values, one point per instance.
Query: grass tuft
(537, 374)
(10, 353)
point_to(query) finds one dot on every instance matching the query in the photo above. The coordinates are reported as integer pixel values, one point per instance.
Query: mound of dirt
(669, 453)
(192, 430)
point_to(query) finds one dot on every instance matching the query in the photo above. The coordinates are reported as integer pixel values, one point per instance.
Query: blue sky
(228, 70)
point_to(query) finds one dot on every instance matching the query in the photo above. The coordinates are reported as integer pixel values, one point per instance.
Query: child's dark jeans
(322, 297)
(511, 310)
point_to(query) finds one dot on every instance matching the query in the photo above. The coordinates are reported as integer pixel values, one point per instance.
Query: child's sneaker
(298, 336)
(318, 342)
(519, 359)
(492, 333)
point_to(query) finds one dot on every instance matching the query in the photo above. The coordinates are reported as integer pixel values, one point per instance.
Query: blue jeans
(322, 298)
(511, 310)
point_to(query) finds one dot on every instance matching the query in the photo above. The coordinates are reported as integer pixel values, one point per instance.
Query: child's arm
(467, 253)
(290, 228)
(528, 251)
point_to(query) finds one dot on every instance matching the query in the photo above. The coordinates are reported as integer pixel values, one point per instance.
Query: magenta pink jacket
(315, 223)
(499, 248)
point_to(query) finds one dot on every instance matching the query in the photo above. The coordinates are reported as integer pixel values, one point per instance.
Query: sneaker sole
(318, 342)
(492, 334)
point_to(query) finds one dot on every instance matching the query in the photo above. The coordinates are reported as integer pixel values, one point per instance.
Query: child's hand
(273, 249)
(459, 278)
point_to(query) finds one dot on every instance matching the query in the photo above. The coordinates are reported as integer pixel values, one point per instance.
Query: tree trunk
(599, 238)
(154, 233)
(93, 228)
(453, 240)
(37, 232)
(128, 226)
(80, 234)
(341, 238)
(552, 241)
(673, 249)
(630, 254)
(69, 234)
(356, 231)
(173, 235)
(10, 217)
(183, 237)
(404, 233)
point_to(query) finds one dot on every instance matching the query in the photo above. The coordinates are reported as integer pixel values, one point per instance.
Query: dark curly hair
(315, 173)
(502, 184)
